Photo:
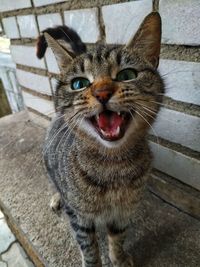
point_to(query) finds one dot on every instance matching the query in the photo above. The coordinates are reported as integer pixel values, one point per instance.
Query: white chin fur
(89, 129)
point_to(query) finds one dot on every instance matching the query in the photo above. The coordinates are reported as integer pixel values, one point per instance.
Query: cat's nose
(103, 95)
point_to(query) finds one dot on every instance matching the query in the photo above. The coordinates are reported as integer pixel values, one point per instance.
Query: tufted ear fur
(147, 40)
(63, 57)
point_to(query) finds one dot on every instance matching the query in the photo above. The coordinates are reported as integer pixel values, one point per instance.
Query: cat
(95, 151)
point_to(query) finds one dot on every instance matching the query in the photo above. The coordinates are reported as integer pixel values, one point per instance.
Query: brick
(182, 80)
(51, 61)
(176, 164)
(10, 27)
(49, 20)
(179, 128)
(47, 2)
(27, 26)
(7, 5)
(181, 20)
(35, 82)
(41, 105)
(85, 23)
(26, 55)
(122, 20)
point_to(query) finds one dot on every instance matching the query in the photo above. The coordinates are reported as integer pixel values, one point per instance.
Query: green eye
(79, 83)
(126, 75)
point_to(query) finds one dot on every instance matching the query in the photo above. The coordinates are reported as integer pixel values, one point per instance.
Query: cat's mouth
(110, 125)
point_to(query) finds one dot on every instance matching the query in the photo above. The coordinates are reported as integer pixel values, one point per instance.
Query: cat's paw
(55, 203)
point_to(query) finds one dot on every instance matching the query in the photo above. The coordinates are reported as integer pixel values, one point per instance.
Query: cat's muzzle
(110, 125)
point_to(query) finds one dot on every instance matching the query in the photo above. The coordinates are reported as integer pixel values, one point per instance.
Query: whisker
(149, 125)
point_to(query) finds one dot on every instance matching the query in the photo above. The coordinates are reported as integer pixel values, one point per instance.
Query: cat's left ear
(63, 57)
(147, 40)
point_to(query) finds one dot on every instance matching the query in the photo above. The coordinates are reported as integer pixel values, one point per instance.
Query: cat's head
(111, 93)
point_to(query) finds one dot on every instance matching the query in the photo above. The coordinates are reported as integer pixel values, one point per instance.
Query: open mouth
(110, 125)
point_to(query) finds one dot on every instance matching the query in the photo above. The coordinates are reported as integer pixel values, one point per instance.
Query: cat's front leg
(116, 238)
(86, 238)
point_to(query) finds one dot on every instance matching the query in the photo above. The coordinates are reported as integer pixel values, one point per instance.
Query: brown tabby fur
(101, 182)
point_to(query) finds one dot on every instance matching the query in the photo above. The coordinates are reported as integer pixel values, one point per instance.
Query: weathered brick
(27, 26)
(26, 55)
(10, 27)
(176, 164)
(174, 126)
(35, 82)
(85, 22)
(12, 5)
(182, 80)
(51, 61)
(181, 20)
(49, 20)
(47, 2)
(122, 20)
(41, 105)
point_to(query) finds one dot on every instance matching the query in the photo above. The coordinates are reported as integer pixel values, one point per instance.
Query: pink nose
(103, 95)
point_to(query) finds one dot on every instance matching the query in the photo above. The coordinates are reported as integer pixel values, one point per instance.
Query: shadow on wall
(10, 93)
(4, 104)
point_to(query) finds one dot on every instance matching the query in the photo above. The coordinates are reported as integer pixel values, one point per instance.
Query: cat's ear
(147, 40)
(63, 56)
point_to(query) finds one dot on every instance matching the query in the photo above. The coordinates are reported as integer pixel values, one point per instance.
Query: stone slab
(173, 126)
(6, 236)
(49, 20)
(180, 20)
(34, 81)
(123, 20)
(161, 234)
(46, 2)
(85, 23)
(12, 5)
(176, 164)
(26, 55)
(27, 26)
(182, 80)
(16, 257)
(39, 104)
(10, 27)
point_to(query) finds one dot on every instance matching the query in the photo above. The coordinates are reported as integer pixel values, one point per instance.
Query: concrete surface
(11, 253)
(161, 235)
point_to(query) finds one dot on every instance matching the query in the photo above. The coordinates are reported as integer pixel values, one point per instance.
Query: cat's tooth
(97, 116)
(119, 113)
(118, 130)
(102, 131)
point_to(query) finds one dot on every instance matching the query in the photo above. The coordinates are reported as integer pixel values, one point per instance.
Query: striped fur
(102, 182)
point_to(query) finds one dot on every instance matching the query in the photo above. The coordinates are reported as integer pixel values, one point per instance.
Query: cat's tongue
(109, 123)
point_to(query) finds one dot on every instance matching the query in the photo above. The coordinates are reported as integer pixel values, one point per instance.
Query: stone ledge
(161, 234)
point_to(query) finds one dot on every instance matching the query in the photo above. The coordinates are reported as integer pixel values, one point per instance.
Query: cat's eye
(126, 75)
(79, 83)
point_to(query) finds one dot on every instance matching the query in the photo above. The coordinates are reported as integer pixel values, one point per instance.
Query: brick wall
(178, 126)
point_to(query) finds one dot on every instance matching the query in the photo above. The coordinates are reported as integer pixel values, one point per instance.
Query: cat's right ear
(147, 40)
(63, 57)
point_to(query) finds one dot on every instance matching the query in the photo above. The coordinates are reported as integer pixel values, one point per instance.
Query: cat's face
(112, 93)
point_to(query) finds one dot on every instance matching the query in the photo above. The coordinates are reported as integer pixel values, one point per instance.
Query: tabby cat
(96, 152)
